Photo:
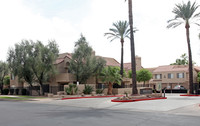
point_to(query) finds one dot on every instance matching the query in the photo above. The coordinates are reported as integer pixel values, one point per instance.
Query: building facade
(170, 76)
(167, 76)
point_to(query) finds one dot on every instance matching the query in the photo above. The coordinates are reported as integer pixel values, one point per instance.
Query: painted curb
(135, 100)
(92, 97)
(190, 95)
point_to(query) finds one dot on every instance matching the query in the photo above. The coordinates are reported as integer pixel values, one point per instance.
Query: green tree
(32, 61)
(42, 59)
(100, 64)
(84, 64)
(182, 61)
(3, 73)
(184, 13)
(19, 61)
(110, 75)
(6, 80)
(120, 31)
(142, 75)
(133, 64)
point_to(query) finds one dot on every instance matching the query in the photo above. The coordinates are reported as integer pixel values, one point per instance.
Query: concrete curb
(135, 100)
(92, 97)
(190, 95)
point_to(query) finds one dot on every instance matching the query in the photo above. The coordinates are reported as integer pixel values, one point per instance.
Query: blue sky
(65, 20)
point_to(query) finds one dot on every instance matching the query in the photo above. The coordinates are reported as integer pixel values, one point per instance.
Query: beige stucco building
(166, 76)
(171, 75)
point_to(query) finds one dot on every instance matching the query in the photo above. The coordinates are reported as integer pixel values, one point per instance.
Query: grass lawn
(20, 98)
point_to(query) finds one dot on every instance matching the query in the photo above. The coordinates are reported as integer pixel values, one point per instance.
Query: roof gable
(110, 61)
(171, 68)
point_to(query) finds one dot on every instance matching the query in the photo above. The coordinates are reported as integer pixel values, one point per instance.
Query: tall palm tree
(133, 64)
(184, 13)
(120, 31)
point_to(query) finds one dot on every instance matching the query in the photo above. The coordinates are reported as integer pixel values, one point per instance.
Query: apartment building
(65, 77)
(167, 76)
(171, 75)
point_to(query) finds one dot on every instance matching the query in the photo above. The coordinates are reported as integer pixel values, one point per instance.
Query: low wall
(127, 90)
(121, 90)
(114, 91)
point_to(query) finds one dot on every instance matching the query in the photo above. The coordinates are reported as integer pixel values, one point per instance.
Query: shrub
(88, 89)
(11, 91)
(5, 91)
(17, 91)
(99, 91)
(24, 91)
(126, 93)
(72, 89)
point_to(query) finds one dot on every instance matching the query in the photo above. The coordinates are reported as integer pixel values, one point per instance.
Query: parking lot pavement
(173, 104)
(30, 114)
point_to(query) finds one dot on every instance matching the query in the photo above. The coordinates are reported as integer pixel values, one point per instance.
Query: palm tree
(110, 75)
(133, 64)
(120, 31)
(184, 13)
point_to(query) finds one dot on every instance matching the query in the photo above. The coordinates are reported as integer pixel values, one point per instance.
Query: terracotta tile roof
(151, 69)
(127, 66)
(61, 57)
(171, 68)
(110, 61)
(58, 61)
(197, 68)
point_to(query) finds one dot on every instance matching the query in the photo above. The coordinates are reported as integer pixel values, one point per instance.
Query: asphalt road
(42, 114)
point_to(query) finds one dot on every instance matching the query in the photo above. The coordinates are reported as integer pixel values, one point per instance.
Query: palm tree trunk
(122, 58)
(122, 62)
(134, 82)
(187, 26)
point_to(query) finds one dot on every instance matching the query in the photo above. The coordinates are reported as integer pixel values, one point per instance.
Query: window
(158, 76)
(180, 75)
(170, 75)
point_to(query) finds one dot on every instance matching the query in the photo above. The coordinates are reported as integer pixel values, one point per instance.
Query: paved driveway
(175, 111)
(173, 104)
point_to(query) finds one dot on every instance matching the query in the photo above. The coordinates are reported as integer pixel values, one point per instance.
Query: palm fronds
(183, 13)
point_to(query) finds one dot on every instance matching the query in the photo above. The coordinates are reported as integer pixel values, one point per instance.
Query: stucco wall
(122, 90)
(165, 78)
